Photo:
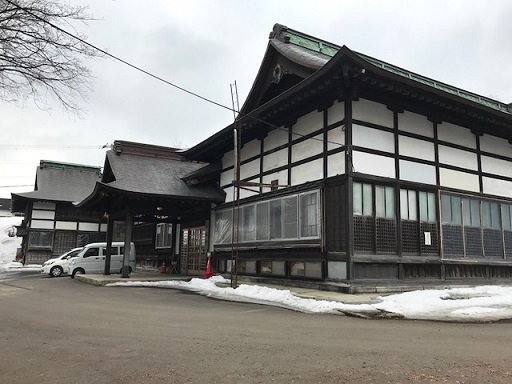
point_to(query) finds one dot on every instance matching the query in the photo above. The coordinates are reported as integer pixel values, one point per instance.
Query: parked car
(59, 265)
(91, 259)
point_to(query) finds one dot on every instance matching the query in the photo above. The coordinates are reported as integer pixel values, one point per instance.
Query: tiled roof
(158, 176)
(63, 182)
(315, 51)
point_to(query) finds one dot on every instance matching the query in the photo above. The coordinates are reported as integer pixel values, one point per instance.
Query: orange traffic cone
(208, 272)
(163, 268)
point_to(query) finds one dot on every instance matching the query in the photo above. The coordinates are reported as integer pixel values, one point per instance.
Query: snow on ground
(477, 304)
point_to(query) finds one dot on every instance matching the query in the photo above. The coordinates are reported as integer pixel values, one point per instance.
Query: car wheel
(56, 271)
(78, 271)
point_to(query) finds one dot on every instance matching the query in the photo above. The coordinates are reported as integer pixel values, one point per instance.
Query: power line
(162, 79)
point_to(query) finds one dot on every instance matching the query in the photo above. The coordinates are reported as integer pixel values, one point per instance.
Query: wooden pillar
(127, 245)
(108, 250)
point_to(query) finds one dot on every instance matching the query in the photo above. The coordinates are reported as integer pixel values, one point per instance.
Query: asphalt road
(65, 331)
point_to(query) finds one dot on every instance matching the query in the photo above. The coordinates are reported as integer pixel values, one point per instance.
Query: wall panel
(250, 149)
(307, 148)
(417, 172)
(497, 145)
(45, 215)
(336, 113)
(250, 169)
(254, 190)
(497, 187)
(456, 135)
(41, 224)
(373, 138)
(496, 166)
(275, 139)
(275, 159)
(458, 158)
(372, 112)
(336, 164)
(311, 122)
(414, 123)
(281, 177)
(419, 149)
(67, 225)
(310, 171)
(373, 164)
(459, 180)
(335, 138)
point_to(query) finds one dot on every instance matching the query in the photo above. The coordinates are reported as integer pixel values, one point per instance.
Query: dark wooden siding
(335, 218)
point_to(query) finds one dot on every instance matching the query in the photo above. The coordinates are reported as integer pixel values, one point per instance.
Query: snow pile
(478, 304)
(9, 245)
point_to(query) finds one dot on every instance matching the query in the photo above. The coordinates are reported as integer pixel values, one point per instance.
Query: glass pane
(432, 212)
(413, 207)
(223, 226)
(466, 212)
(380, 203)
(247, 224)
(475, 213)
(456, 211)
(262, 221)
(446, 209)
(423, 205)
(309, 215)
(367, 200)
(404, 205)
(486, 214)
(495, 216)
(390, 203)
(505, 212)
(358, 198)
(290, 217)
(275, 219)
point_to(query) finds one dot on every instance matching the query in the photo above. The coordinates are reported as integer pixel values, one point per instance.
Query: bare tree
(38, 59)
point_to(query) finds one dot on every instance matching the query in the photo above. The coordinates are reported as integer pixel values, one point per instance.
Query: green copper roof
(316, 45)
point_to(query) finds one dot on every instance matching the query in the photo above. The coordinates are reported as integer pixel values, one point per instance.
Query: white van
(92, 259)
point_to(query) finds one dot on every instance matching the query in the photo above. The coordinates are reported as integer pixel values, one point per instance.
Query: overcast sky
(205, 45)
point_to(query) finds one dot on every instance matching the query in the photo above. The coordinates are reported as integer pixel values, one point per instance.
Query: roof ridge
(314, 44)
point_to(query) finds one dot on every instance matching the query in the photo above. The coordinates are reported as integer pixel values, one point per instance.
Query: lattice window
(364, 234)
(410, 237)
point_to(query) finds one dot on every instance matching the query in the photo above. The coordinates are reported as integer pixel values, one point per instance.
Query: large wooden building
(355, 170)
(52, 225)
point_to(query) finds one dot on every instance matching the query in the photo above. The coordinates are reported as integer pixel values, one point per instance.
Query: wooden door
(193, 250)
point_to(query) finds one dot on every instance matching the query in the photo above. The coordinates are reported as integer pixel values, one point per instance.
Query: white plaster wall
(250, 149)
(336, 113)
(229, 193)
(458, 158)
(103, 228)
(46, 215)
(460, 180)
(67, 225)
(420, 149)
(372, 112)
(456, 135)
(336, 164)
(250, 169)
(373, 138)
(373, 164)
(495, 145)
(254, 190)
(417, 172)
(281, 177)
(275, 160)
(497, 187)
(41, 224)
(228, 159)
(227, 177)
(496, 166)
(308, 123)
(307, 172)
(43, 205)
(335, 138)
(88, 226)
(414, 123)
(307, 148)
(275, 139)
